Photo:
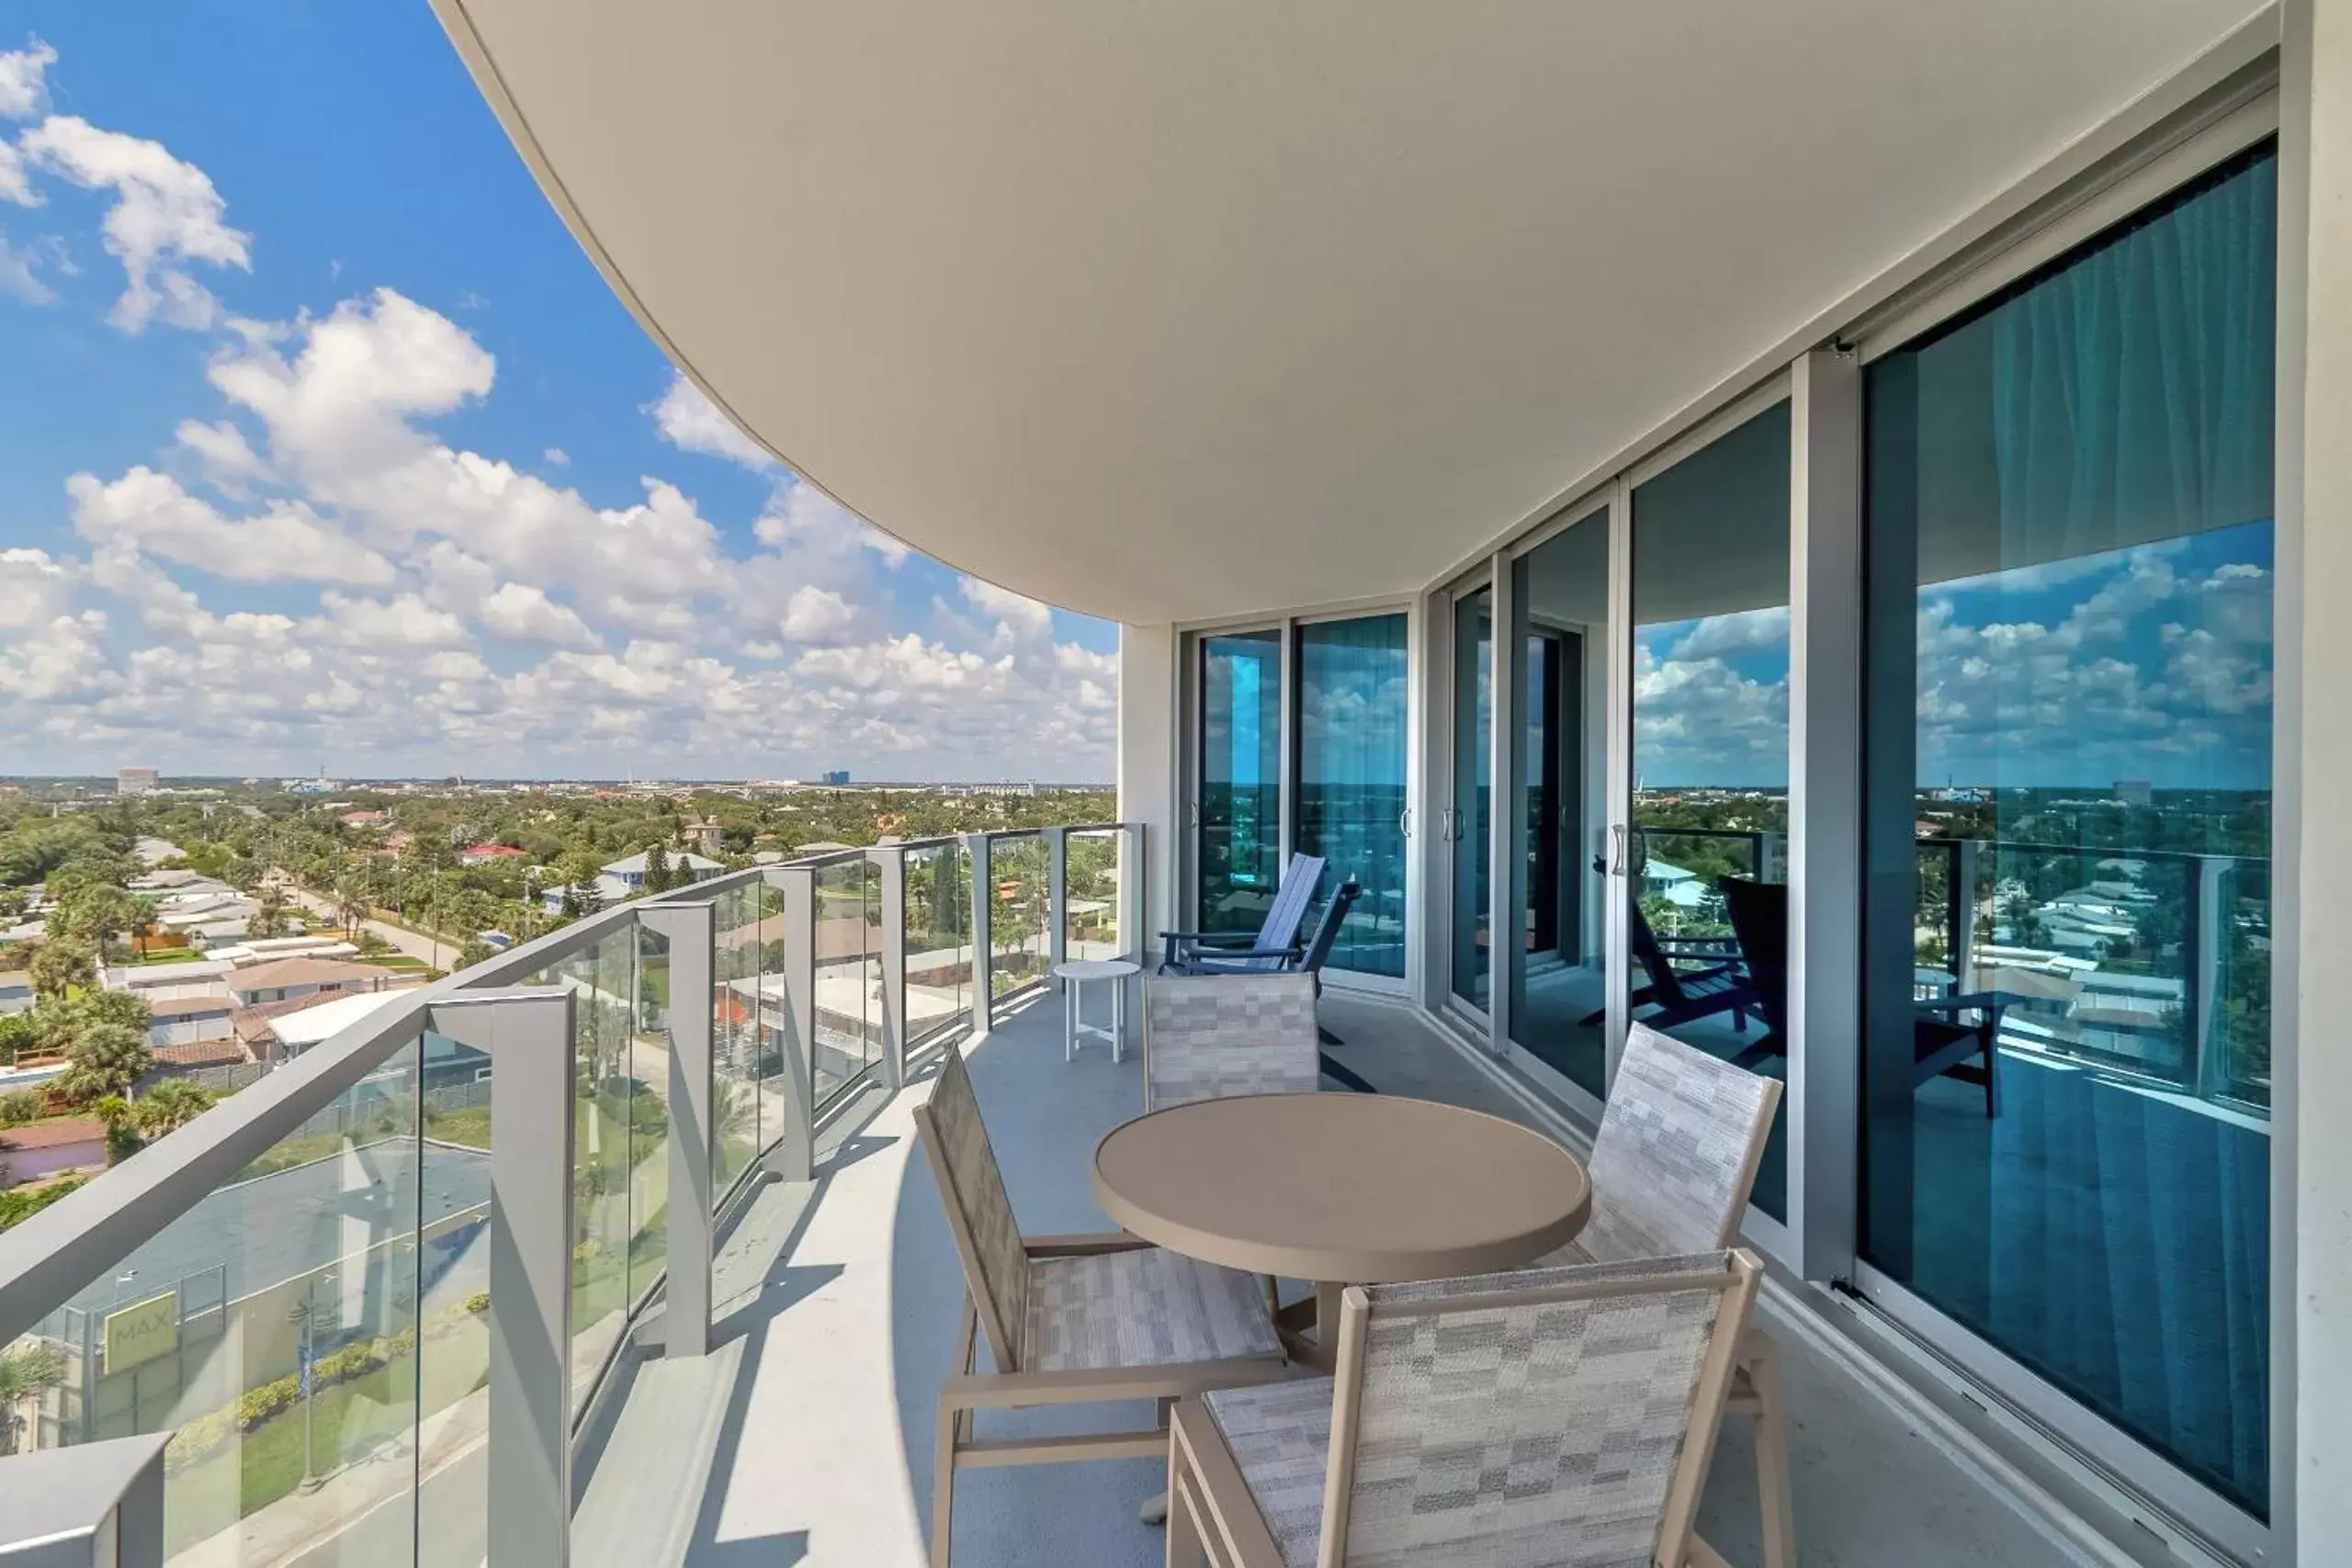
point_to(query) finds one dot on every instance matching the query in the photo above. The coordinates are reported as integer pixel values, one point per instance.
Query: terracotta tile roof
(52, 1135)
(220, 1053)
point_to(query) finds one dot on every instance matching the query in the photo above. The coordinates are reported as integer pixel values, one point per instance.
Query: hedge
(197, 1440)
(24, 1203)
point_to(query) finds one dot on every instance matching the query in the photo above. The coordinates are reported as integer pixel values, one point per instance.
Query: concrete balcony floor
(806, 1436)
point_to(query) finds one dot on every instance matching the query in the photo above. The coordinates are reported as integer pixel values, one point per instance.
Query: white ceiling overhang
(1183, 311)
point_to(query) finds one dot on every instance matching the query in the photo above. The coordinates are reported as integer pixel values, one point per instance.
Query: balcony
(396, 1307)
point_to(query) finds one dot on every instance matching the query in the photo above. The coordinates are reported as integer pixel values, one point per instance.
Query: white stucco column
(2311, 1089)
(1148, 756)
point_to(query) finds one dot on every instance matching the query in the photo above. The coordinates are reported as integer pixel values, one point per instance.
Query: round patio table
(1341, 1189)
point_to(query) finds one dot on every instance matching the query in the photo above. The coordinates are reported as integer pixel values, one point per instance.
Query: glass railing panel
(2144, 962)
(938, 940)
(2239, 945)
(453, 1276)
(1681, 868)
(869, 976)
(1091, 897)
(649, 1117)
(274, 1329)
(1019, 869)
(770, 1021)
(602, 979)
(735, 1131)
(843, 998)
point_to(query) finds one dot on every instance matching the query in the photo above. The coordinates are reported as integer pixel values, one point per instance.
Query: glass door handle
(1618, 835)
(1405, 823)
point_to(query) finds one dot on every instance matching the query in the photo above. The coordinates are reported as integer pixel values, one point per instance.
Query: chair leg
(1992, 1088)
(1772, 1487)
(942, 1486)
(1184, 1546)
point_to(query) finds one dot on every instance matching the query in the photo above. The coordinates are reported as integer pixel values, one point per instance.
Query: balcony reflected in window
(1707, 905)
(2068, 929)
(1352, 683)
(1237, 852)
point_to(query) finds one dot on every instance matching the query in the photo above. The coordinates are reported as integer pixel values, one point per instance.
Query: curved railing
(374, 1297)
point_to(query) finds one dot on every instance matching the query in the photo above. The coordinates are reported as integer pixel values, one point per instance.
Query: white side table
(1074, 976)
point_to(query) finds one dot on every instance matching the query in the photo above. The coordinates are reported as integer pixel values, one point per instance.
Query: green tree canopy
(61, 964)
(106, 1058)
(170, 1105)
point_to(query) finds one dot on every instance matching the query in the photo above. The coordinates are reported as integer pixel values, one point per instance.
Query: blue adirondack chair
(1276, 945)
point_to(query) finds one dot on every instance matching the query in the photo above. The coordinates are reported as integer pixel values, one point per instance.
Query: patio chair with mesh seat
(1207, 1036)
(1069, 1319)
(1672, 1167)
(1558, 1415)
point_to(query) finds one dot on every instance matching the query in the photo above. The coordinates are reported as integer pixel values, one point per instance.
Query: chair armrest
(1984, 1001)
(1082, 1245)
(1173, 1380)
(1225, 956)
(1720, 946)
(1210, 937)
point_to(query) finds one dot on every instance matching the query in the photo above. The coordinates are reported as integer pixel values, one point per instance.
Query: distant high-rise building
(2134, 792)
(134, 781)
(835, 777)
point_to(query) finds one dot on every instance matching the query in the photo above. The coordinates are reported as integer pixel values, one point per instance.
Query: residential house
(184, 1020)
(285, 979)
(52, 1148)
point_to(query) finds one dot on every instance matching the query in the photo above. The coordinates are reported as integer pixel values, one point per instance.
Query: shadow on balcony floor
(806, 1435)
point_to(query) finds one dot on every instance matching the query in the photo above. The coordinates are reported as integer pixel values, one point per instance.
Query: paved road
(438, 954)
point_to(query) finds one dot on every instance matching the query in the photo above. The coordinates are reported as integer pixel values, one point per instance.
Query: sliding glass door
(1707, 912)
(2068, 920)
(1468, 825)
(1353, 683)
(1238, 806)
(1559, 801)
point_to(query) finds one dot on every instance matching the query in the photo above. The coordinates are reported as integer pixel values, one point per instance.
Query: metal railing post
(890, 860)
(691, 932)
(793, 1156)
(1056, 898)
(976, 849)
(1132, 943)
(2206, 932)
(1963, 913)
(529, 1036)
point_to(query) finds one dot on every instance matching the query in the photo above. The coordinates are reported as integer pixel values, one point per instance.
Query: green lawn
(345, 1423)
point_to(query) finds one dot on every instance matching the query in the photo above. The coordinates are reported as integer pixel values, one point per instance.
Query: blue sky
(321, 444)
(2150, 662)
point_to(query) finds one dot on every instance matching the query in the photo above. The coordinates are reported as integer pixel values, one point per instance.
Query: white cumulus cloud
(815, 614)
(166, 216)
(288, 543)
(691, 422)
(521, 613)
(23, 87)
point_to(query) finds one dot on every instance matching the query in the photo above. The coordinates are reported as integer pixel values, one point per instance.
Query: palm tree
(171, 1105)
(26, 1370)
(106, 1058)
(269, 911)
(351, 907)
(142, 926)
(62, 965)
(122, 1127)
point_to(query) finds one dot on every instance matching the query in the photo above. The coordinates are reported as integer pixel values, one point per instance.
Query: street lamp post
(298, 1315)
(302, 1313)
